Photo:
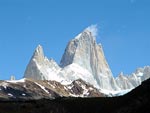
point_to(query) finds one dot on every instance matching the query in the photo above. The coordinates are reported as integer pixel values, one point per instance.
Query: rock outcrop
(29, 89)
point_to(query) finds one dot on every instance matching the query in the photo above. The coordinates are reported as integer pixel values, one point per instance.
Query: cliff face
(41, 68)
(85, 52)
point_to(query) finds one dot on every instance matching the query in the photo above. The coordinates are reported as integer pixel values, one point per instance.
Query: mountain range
(83, 59)
(83, 72)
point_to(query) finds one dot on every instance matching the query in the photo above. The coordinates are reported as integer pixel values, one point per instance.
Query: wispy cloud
(93, 29)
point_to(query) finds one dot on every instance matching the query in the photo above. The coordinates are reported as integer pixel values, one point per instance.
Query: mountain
(137, 101)
(29, 89)
(87, 54)
(133, 80)
(83, 59)
(41, 68)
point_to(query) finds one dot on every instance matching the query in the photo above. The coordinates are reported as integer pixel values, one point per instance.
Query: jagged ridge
(29, 89)
(83, 59)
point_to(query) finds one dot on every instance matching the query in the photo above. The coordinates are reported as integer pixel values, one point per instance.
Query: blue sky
(124, 31)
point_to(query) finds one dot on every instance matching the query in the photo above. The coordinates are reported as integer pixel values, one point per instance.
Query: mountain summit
(85, 52)
(41, 68)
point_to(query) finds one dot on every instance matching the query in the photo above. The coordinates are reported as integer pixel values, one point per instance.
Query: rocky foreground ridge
(137, 101)
(27, 89)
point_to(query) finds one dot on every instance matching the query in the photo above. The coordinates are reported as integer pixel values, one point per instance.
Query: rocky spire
(38, 54)
(84, 51)
(77, 49)
(40, 67)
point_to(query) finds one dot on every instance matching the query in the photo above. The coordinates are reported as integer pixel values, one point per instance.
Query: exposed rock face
(144, 73)
(123, 82)
(133, 80)
(37, 89)
(85, 52)
(41, 68)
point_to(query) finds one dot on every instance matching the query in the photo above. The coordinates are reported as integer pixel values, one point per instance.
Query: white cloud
(93, 29)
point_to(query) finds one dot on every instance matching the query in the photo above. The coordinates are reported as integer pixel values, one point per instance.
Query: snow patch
(65, 88)
(42, 87)
(74, 71)
(9, 94)
(66, 82)
(16, 81)
(4, 84)
(140, 74)
(52, 85)
(23, 94)
(85, 91)
(73, 95)
(78, 36)
(115, 93)
(70, 87)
